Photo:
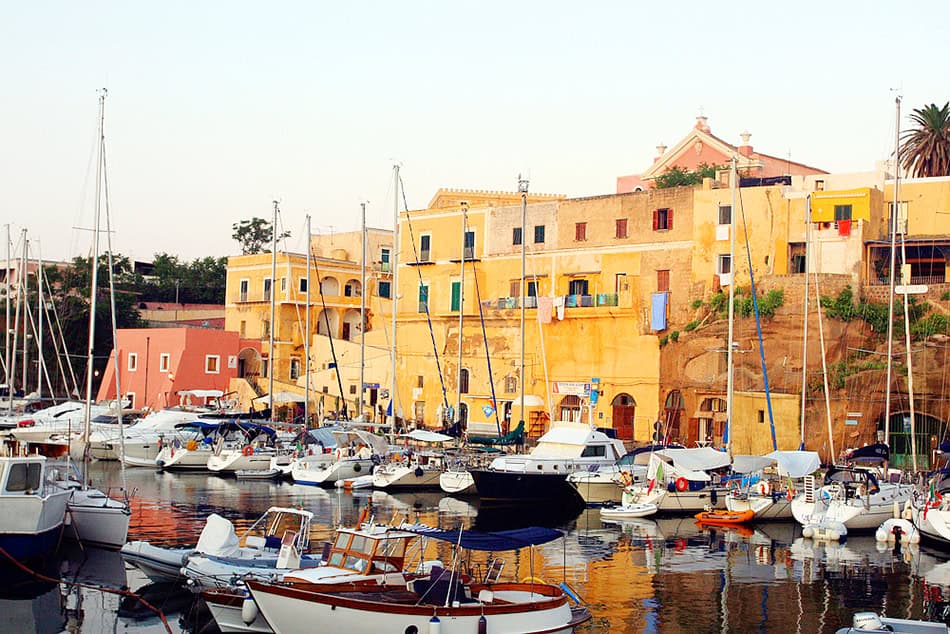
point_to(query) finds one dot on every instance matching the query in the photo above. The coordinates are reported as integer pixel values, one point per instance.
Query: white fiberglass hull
(170, 459)
(236, 460)
(94, 518)
(138, 453)
(934, 524)
(764, 507)
(230, 618)
(457, 482)
(406, 477)
(856, 513)
(596, 488)
(317, 474)
(676, 502)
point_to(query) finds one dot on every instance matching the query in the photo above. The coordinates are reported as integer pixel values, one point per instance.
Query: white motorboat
(605, 484)
(254, 455)
(872, 622)
(32, 511)
(679, 481)
(143, 440)
(368, 557)
(357, 452)
(442, 603)
(628, 511)
(771, 498)
(92, 517)
(195, 442)
(414, 468)
(60, 423)
(457, 481)
(542, 475)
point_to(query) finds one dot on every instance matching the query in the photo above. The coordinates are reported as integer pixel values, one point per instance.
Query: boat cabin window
(594, 451)
(342, 540)
(360, 545)
(336, 558)
(283, 522)
(24, 476)
(359, 564)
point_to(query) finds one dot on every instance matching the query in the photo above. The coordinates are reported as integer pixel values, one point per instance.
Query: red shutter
(656, 219)
(669, 219)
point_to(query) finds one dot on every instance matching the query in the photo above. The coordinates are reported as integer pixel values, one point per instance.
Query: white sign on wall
(232, 361)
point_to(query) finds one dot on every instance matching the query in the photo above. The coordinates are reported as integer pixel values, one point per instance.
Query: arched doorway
(929, 434)
(570, 408)
(330, 286)
(463, 414)
(351, 325)
(624, 408)
(328, 315)
(249, 363)
(672, 414)
(352, 288)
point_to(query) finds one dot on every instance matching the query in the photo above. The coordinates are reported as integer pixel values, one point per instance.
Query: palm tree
(925, 150)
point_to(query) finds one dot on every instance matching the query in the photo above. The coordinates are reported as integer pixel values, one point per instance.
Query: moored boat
(32, 512)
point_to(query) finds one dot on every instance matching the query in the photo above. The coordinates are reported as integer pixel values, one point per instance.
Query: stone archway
(570, 408)
(330, 286)
(352, 288)
(329, 315)
(624, 409)
(249, 363)
(351, 325)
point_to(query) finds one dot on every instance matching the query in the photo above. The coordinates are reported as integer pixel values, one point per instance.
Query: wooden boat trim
(556, 599)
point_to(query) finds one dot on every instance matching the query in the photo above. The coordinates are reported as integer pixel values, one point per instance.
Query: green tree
(679, 177)
(925, 150)
(254, 235)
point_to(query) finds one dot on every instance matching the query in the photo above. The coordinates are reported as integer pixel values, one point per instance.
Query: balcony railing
(570, 301)
(243, 296)
(424, 255)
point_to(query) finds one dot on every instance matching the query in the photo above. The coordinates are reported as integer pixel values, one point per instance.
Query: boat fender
(671, 487)
(908, 513)
(682, 484)
(482, 625)
(357, 467)
(764, 488)
(435, 625)
(248, 450)
(419, 472)
(714, 496)
(897, 530)
(249, 611)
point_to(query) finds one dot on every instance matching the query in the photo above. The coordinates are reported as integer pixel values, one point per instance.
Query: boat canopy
(202, 393)
(225, 427)
(346, 436)
(877, 452)
(640, 455)
(697, 458)
(514, 437)
(751, 464)
(796, 464)
(421, 435)
(218, 538)
(494, 541)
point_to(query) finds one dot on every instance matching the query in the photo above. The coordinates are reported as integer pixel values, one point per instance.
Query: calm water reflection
(639, 575)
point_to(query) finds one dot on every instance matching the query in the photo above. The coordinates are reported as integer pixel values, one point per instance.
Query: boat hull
(678, 502)
(158, 564)
(232, 461)
(596, 489)
(406, 478)
(504, 485)
(172, 459)
(457, 483)
(25, 547)
(228, 611)
(764, 507)
(97, 519)
(330, 474)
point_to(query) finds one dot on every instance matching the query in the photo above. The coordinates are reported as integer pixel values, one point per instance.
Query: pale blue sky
(216, 108)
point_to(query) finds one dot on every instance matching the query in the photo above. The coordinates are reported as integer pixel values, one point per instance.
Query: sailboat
(94, 517)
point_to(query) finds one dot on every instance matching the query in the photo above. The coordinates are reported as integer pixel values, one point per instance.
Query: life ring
(626, 478)
(764, 488)
(248, 450)
(682, 484)
(191, 445)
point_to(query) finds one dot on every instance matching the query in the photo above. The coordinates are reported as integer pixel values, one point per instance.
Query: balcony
(424, 258)
(570, 301)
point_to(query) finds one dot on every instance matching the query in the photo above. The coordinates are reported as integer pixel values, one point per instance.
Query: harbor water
(645, 575)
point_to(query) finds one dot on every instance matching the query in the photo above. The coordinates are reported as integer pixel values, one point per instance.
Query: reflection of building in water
(41, 614)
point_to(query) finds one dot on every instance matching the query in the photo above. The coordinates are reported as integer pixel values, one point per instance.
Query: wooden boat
(717, 517)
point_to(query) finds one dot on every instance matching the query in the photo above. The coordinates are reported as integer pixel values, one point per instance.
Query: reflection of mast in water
(72, 606)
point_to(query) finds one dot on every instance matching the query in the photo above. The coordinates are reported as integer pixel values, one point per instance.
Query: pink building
(701, 146)
(156, 363)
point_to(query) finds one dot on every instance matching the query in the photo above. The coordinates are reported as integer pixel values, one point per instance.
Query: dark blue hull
(24, 547)
(502, 485)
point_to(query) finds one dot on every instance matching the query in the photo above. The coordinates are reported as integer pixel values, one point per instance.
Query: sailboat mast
(26, 308)
(805, 323)
(306, 369)
(890, 292)
(732, 294)
(523, 189)
(458, 404)
(93, 286)
(6, 327)
(394, 297)
(362, 308)
(16, 316)
(39, 318)
(273, 325)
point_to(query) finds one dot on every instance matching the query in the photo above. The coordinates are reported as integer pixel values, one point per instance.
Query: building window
(539, 234)
(621, 228)
(267, 287)
(423, 298)
(302, 286)
(516, 235)
(901, 217)
(514, 288)
(130, 400)
(819, 185)
(725, 214)
(283, 285)
(662, 219)
(511, 384)
(532, 289)
(265, 329)
(244, 284)
(468, 251)
(383, 289)
(663, 281)
(456, 296)
(463, 381)
(577, 287)
(420, 381)
(580, 231)
(723, 264)
(353, 388)
(133, 361)
(761, 415)
(425, 243)
(384, 260)
(243, 328)
(294, 368)
(842, 212)
(212, 364)
(265, 366)
(164, 360)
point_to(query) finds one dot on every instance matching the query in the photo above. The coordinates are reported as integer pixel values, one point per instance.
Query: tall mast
(805, 323)
(16, 316)
(362, 309)
(394, 297)
(93, 287)
(523, 189)
(39, 318)
(458, 404)
(732, 294)
(273, 324)
(890, 292)
(26, 308)
(306, 346)
(6, 327)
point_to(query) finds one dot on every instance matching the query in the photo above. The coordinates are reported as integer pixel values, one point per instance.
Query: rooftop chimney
(745, 149)
(660, 151)
(701, 123)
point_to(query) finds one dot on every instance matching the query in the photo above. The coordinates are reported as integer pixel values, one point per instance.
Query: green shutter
(456, 295)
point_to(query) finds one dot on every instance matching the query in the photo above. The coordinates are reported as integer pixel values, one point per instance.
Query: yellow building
(334, 310)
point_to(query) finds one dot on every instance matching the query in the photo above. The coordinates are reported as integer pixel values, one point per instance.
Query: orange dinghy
(725, 518)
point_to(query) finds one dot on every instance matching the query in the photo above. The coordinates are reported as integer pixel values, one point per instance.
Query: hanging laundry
(658, 311)
(559, 306)
(545, 309)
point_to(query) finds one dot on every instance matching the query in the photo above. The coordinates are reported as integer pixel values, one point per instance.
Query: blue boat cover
(226, 426)
(944, 447)
(496, 541)
(877, 452)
